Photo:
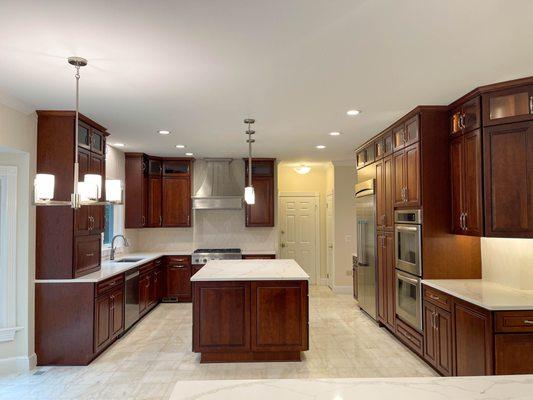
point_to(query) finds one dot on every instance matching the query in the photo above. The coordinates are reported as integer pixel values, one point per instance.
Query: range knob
(204, 260)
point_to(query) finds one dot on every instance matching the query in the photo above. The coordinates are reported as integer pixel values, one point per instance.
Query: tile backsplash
(508, 261)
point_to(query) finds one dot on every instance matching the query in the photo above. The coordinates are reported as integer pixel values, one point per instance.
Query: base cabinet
(178, 273)
(108, 317)
(438, 344)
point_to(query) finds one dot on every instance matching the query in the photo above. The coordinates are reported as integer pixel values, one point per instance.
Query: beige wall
(18, 144)
(508, 261)
(345, 239)
(315, 181)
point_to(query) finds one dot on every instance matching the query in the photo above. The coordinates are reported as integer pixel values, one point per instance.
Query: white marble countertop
(258, 252)
(251, 270)
(457, 388)
(489, 295)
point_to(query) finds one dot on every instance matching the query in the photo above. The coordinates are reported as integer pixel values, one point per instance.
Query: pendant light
(88, 191)
(249, 193)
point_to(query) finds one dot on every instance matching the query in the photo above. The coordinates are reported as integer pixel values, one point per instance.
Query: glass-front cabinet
(510, 105)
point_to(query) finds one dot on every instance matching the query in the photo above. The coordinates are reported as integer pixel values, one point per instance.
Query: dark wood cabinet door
(262, 212)
(508, 173)
(157, 286)
(388, 171)
(360, 158)
(380, 194)
(102, 317)
(472, 184)
(84, 135)
(154, 202)
(81, 215)
(430, 339)
(390, 281)
(444, 339)
(457, 170)
(86, 254)
(398, 137)
(176, 167)
(117, 312)
(379, 148)
(513, 354)
(471, 113)
(473, 340)
(412, 176)
(382, 278)
(136, 191)
(279, 320)
(412, 131)
(508, 106)
(97, 141)
(155, 167)
(178, 277)
(221, 316)
(456, 121)
(176, 209)
(398, 162)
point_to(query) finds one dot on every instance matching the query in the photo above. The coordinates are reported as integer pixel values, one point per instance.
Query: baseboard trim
(17, 364)
(348, 289)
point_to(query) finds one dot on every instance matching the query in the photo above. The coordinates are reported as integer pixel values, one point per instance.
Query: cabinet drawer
(514, 321)
(438, 298)
(410, 337)
(143, 269)
(109, 284)
(178, 260)
(86, 255)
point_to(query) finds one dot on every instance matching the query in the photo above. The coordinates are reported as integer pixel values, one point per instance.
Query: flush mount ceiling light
(119, 145)
(334, 134)
(353, 112)
(189, 154)
(180, 146)
(320, 147)
(163, 132)
(249, 192)
(86, 192)
(303, 169)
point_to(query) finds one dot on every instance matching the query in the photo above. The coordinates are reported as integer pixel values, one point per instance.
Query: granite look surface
(250, 270)
(489, 295)
(471, 388)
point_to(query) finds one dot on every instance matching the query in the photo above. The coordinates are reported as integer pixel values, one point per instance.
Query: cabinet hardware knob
(89, 254)
(434, 297)
(528, 322)
(531, 104)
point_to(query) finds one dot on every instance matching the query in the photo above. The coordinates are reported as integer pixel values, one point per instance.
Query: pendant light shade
(249, 195)
(94, 180)
(88, 192)
(43, 186)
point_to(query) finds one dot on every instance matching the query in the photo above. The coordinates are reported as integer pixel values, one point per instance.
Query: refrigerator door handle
(361, 240)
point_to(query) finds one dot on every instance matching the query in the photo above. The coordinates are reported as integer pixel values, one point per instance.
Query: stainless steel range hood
(219, 190)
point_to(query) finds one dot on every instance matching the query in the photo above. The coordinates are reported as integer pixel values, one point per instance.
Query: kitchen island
(250, 310)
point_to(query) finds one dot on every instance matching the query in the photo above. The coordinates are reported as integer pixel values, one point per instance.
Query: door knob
(283, 245)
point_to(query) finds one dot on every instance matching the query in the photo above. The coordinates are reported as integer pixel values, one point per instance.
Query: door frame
(331, 279)
(316, 195)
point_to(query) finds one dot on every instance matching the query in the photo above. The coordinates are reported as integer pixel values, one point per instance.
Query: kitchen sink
(129, 260)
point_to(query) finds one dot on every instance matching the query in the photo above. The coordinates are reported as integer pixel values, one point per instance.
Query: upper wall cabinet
(508, 105)
(365, 155)
(261, 214)
(383, 146)
(406, 133)
(508, 170)
(158, 191)
(68, 241)
(466, 117)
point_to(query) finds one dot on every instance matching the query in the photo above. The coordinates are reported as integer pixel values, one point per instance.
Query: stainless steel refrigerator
(365, 209)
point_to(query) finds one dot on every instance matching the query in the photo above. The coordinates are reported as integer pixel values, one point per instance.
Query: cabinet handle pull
(176, 266)
(464, 221)
(436, 321)
(89, 254)
(461, 223)
(528, 322)
(406, 194)
(160, 220)
(143, 220)
(531, 104)
(434, 297)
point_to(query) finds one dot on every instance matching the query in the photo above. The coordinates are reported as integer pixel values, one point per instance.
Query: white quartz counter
(468, 388)
(489, 295)
(251, 270)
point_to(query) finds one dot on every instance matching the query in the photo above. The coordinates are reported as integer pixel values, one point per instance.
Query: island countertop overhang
(250, 270)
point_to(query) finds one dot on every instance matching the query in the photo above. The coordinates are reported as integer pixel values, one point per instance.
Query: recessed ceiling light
(119, 145)
(189, 154)
(180, 146)
(320, 146)
(163, 132)
(303, 169)
(334, 134)
(353, 112)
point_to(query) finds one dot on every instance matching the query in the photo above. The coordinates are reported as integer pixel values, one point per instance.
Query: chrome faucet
(113, 249)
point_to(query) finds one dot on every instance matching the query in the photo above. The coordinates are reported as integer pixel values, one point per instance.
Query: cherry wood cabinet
(386, 280)
(513, 104)
(178, 272)
(61, 253)
(108, 317)
(261, 214)
(508, 175)
(406, 177)
(466, 184)
(406, 133)
(384, 192)
(466, 117)
(438, 343)
(158, 190)
(365, 156)
(383, 146)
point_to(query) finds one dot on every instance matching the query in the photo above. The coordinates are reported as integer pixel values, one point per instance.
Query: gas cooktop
(202, 256)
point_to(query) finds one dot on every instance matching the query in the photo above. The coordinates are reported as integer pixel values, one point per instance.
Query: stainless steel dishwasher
(132, 297)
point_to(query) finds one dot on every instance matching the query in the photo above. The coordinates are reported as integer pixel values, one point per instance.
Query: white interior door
(298, 231)
(330, 239)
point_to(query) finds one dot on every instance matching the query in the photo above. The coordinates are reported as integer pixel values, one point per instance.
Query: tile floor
(148, 361)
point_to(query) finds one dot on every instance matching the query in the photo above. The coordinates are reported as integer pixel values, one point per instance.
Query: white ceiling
(198, 68)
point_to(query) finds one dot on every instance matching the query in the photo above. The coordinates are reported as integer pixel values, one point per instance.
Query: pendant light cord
(75, 196)
(249, 155)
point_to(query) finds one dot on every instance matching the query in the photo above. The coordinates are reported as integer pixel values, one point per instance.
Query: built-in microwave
(408, 243)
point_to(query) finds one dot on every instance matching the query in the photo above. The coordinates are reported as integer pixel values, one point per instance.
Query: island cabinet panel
(279, 316)
(513, 354)
(473, 339)
(508, 171)
(221, 317)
